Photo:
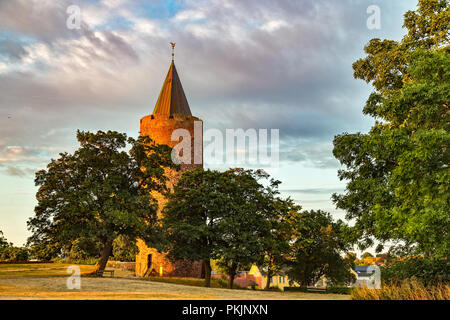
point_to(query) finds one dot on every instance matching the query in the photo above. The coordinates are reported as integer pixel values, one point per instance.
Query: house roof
(172, 99)
(364, 271)
(361, 268)
(282, 272)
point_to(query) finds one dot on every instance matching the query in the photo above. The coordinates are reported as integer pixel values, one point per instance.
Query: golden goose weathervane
(173, 49)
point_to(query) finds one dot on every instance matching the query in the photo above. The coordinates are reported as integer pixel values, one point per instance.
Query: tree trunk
(207, 265)
(202, 274)
(269, 276)
(269, 272)
(106, 252)
(231, 274)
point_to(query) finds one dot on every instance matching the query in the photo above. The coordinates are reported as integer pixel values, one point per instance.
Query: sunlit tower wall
(171, 112)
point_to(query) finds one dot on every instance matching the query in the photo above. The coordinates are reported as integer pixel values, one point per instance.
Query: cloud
(190, 15)
(310, 153)
(14, 154)
(314, 190)
(42, 20)
(18, 172)
(12, 50)
(243, 64)
(274, 25)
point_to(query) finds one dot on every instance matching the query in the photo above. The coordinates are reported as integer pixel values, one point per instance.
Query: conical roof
(172, 99)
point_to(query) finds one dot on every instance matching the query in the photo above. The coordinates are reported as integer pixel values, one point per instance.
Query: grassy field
(38, 270)
(48, 281)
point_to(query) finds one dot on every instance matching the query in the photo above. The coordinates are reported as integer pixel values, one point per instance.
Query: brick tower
(171, 112)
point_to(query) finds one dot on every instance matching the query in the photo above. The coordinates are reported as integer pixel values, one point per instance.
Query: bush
(223, 282)
(44, 251)
(407, 290)
(429, 271)
(3, 242)
(338, 290)
(87, 261)
(197, 282)
(128, 266)
(14, 254)
(83, 249)
(275, 288)
(124, 249)
(296, 289)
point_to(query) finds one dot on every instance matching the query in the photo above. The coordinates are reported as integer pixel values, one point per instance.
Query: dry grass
(215, 283)
(407, 290)
(124, 289)
(48, 281)
(39, 270)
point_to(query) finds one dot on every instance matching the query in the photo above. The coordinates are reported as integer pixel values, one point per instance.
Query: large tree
(252, 221)
(4, 246)
(277, 244)
(220, 215)
(45, 251)
(100, 192)
(3, 242)
(317, 249)
(398, 175)
(191, 216)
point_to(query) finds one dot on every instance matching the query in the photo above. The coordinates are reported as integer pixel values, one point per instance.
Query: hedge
(336, 290)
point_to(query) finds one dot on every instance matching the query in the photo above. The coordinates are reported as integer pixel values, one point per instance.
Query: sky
(259, 64)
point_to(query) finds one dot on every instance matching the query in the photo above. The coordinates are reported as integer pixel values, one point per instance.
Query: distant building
(280, 279)
(368, 276)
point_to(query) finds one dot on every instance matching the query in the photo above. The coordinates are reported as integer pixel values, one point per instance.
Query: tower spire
(172, 99)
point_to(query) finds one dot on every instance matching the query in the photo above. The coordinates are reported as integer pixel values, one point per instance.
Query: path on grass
(120, 288)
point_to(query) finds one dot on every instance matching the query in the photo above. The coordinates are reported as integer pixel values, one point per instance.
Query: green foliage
(124, 249)
(86, 261)
(222, 282)
(191, 213)
(246, 230)
(351, 259)
(277, 244)
(99, 192)
(14, 254)
(83, 249)
(429, 271)
(275, 288)
(4, 247)
(215, 283)
(366, 255)
(338, 290)
(224, 216)
(316, 249)
(3, 242)
(45, 251)
(335, 290)
(296, 289)
(398, 175)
